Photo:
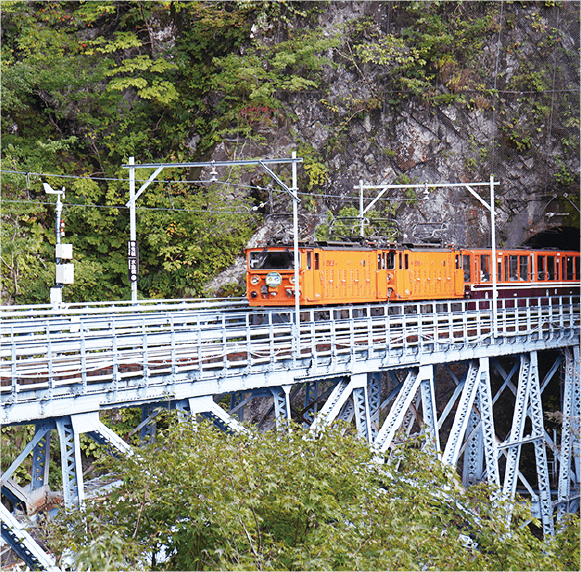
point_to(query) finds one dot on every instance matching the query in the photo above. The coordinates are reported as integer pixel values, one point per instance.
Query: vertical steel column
(528, 402)
(361, 408)
(538, 434)
(40, 467)
(517, 429)
(282, 409)
(374, 396)
(487, 431)
(236, 399)
(311, 394)
(40, 459)
(569, 476)
(430, 413)
(473, 454)
(72, 470)
(148, 423)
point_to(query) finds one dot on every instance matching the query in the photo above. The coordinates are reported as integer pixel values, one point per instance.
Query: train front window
(541, 268)
(513, 268)
(466, 268)
(386, 261)
(570, 272)
(272, 260)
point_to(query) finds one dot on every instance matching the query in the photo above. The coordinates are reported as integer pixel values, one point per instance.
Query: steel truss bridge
(442, 367)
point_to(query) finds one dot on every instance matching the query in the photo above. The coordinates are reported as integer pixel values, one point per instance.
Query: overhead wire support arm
(133, 196)
(292, 192)
(150, 180)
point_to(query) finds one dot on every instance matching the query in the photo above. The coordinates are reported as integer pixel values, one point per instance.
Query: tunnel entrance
(561, 237)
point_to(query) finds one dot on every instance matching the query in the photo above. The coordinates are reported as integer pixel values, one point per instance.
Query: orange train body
(348, 274)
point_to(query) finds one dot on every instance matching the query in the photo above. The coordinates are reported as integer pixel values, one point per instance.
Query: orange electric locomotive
(346, 273)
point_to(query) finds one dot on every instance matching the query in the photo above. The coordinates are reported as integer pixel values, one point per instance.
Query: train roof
(359, 243)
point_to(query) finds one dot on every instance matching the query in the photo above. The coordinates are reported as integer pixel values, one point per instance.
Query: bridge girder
(367, 369)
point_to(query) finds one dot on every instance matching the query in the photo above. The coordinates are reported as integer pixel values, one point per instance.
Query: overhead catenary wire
(123, 207)
(167, 181)
(171, 182)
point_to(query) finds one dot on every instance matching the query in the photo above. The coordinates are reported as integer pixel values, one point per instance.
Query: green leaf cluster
(201, 500)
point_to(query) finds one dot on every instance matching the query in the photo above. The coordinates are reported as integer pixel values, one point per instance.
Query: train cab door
(403, 283)
(381, 286)
(458, 275)
(318, 275)
(385, 274)
(311, 283)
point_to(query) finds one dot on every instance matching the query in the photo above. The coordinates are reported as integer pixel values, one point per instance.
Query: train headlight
(255, 280)
(273, 279)
(292, 280)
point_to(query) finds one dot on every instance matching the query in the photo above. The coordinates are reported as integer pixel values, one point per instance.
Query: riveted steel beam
(469, 391)
(569, 471)
(398, 410)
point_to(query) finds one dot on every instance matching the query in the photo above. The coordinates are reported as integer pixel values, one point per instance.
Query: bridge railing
(96, 309)
(50, 356)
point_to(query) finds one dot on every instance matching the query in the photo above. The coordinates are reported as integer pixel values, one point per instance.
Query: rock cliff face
(510, 109)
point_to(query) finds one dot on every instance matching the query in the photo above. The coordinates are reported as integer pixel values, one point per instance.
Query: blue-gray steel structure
(60, 369)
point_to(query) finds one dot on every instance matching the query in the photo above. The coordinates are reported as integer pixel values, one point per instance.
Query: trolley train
(345, 273)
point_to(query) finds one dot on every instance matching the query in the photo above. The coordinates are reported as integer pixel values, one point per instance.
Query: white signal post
(64, 273)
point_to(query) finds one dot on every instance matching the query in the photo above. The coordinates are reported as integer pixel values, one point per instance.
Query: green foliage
(564, 176)
(436, 44)
(259, 76)
(199, 499)
(314, 167)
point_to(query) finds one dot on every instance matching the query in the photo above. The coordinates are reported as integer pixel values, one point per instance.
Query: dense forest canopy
(86, 85)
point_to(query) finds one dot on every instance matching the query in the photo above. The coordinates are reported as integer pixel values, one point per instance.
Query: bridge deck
(84, 360)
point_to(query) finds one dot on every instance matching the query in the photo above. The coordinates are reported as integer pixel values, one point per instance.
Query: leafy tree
(199, 499)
